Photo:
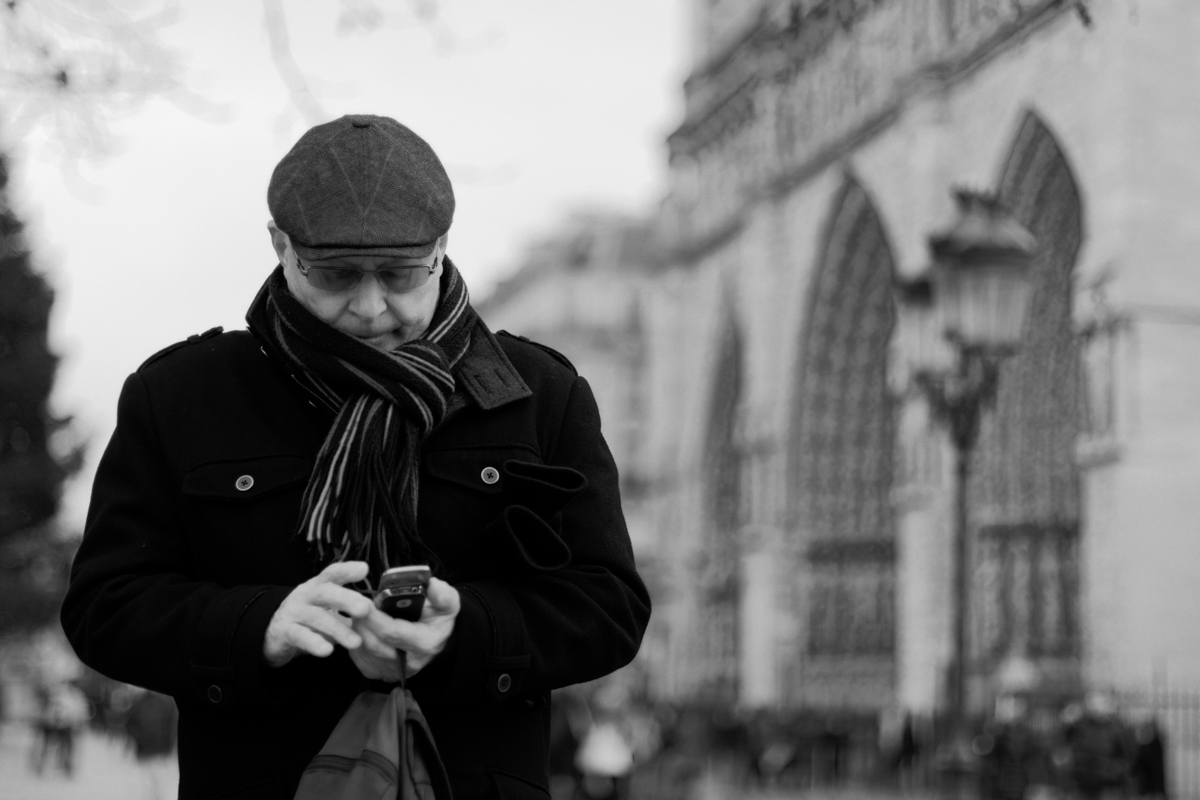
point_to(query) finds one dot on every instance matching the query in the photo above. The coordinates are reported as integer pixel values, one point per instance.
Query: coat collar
(486, 375)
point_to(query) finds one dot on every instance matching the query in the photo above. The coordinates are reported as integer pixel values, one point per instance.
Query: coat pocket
(519, 539)
(245, 479)
(462, 491)
(542, 488)
(480, 470)
(241, 516)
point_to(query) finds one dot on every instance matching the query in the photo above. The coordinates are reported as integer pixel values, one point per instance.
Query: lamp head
(982, 274)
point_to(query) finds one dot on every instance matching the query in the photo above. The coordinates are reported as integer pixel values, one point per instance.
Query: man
(367, 419)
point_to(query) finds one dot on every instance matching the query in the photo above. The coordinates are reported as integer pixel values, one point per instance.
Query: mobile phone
(401, 592)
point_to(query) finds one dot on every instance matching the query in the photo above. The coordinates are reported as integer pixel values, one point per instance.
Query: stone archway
(718, 572)
(1025, 484)
(841, 466)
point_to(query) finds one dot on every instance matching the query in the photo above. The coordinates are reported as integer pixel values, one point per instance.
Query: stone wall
(910, 100)
(1084, 520)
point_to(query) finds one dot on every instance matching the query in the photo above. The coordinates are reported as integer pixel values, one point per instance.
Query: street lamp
(974, 297)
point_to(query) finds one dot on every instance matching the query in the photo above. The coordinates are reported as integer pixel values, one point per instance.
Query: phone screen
(401, 592)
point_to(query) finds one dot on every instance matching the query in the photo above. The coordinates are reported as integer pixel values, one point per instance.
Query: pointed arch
(722, 478)
(841, 447)
(841, 455)
(721, 461)
(1025, 479)
(1027, 449)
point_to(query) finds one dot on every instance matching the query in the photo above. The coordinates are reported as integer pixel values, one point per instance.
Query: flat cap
(361, 185)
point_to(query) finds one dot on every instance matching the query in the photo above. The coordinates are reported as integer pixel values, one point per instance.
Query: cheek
(324, 306)
(331, 310)
(415, 306)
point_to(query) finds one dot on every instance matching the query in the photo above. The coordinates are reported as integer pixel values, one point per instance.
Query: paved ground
(104, 770)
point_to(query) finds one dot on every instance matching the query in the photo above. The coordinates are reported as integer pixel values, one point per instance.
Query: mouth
(378, 339)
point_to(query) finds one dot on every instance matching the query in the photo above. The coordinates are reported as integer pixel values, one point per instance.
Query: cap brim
(321, 253)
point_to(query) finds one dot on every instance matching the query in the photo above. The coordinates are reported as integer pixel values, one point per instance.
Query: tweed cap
(361, 185)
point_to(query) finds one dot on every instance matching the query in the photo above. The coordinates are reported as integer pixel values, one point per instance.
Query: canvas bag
(381, 749)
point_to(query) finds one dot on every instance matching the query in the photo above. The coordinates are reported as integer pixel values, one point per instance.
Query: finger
(308, 641)
(442, 597)
(343, 572)
(373, 644)
(392, 632)
(329, 626)
(339, 598)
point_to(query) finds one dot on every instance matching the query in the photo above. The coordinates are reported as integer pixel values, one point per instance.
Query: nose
(369, 299)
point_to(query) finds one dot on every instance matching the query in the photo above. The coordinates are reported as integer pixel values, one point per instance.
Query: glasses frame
(305, 269)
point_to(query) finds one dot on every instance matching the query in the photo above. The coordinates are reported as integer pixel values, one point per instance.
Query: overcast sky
(537, 108)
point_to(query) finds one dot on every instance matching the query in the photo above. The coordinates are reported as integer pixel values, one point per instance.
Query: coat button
(490, 475)
(504, 683)
(244, 483)
(214, 694)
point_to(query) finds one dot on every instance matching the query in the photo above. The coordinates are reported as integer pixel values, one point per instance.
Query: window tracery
(842, 447)
(1025, 476)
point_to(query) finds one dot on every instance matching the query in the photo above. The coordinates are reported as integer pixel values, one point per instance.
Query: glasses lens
(404, 279)
(333, 279)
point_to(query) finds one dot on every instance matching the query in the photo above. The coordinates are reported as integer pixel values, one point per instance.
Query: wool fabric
(361, 499)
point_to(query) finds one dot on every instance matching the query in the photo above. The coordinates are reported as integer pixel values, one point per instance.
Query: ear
(279, 241)
(439, 249)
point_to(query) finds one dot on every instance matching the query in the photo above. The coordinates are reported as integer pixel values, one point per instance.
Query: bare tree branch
(69, 68)
(299, 91)
(359, 16)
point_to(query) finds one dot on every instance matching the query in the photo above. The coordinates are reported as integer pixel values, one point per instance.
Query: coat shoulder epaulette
(557, 356)
(171, 348)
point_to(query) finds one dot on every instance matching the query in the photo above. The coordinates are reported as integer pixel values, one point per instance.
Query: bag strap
(417, 742)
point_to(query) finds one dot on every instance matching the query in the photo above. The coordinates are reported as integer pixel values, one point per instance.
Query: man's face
(379, 317)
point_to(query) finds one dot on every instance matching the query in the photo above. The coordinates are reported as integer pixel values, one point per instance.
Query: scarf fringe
(361, 499)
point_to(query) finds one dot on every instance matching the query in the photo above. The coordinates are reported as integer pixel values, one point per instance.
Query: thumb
(442, 596)
(343, 572)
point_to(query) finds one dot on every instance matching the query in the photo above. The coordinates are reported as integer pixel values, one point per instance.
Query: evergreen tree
(33, 561)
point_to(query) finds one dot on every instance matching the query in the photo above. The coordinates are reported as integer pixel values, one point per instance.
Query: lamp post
(975, 298)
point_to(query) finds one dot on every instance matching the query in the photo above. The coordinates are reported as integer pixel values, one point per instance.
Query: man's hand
(382, 635)
(309, 620)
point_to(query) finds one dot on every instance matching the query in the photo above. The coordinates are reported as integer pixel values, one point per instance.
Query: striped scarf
(361, 499)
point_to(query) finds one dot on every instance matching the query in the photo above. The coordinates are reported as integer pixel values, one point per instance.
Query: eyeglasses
(393, 278)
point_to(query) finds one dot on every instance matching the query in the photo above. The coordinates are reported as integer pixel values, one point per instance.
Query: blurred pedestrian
(1148, 773)
(1101, 748)
(570, 719)
(150, 724)
(907, 754)
(605, 756)
(63, 711)
(1008, 752)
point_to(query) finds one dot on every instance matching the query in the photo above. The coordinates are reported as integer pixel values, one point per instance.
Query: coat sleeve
(133, 611)
(544, 630)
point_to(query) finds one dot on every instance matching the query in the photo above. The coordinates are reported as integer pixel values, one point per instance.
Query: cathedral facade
(791, 493)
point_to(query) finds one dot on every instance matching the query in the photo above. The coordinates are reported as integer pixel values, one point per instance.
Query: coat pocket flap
(544, 488)
(245, 479)
(480, 469)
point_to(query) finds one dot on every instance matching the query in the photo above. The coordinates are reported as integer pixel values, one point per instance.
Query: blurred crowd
(1085, 749)
(144, 721)
(44, 688)
(610, 741)
(607, 743)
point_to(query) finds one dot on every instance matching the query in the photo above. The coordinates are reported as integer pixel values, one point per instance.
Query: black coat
(180, 570)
